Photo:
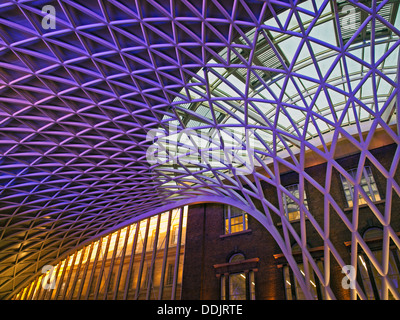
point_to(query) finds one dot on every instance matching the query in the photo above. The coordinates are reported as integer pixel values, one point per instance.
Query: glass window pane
(362, 267)
(367, 184)
(288, 284)
(299, 293)
(223, 285)
(237, 257)
(393, 269)
(252, 286)
(235, 220)
(227, 226)
(237, 286)
(292, 207)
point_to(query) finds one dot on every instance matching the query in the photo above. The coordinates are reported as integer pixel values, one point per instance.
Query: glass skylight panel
(325, 63)
(193, 94)
(367, 89)
(237, 83)
(232, 82)
(290, 89)
(317, 48)
(212, 78)
(353, 66)
(226, 90)
(296, 114)
(308, 71)
(397, 20)
(194, 123)
(223, 106)
(383, 87)
(390, 60)
(230, 120)
(380, 49)
(325, 32)
(304, 84)
(283, 121)
(289, 47)
(204, 110)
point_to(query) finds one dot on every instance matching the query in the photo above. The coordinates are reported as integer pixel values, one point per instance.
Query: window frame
(348, 187)
(228, 221)
(243, 279)
(169, 279)
(173, 240)
(250, 286)
(238, 266)
(285, 199)
(292, 287)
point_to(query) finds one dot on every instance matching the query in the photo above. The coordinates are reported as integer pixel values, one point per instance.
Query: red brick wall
(205, 247)
(203, 251)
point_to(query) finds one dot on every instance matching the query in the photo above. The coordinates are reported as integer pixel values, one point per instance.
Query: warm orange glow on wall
(117, 267)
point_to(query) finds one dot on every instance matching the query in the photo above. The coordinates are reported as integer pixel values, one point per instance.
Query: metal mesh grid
(77, 103)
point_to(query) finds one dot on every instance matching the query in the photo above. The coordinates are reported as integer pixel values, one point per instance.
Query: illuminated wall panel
(141, 261)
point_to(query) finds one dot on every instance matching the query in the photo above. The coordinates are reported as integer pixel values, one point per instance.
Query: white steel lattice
(81, 103)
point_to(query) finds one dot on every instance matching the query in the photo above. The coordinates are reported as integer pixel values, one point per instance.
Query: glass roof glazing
(300, 75)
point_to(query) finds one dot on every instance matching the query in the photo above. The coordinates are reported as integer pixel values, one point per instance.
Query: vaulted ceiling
(81, 103)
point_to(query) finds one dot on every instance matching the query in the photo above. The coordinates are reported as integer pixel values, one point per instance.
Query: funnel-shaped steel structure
(113, 110)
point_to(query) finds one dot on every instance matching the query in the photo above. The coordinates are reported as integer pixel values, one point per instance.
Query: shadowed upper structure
(81, 104)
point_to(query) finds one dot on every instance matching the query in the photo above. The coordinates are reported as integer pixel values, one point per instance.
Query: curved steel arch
(258, 215)
(77, 104)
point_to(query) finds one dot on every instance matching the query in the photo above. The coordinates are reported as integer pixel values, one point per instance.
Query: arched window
(236, 257)
(237, 281)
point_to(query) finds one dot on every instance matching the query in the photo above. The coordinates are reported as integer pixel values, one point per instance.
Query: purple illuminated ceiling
(78, 101)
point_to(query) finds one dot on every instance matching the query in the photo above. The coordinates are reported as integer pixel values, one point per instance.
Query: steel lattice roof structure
(82, 104)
